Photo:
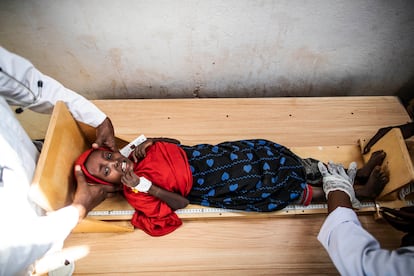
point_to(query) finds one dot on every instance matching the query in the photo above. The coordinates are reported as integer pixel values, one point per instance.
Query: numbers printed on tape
(189, 211)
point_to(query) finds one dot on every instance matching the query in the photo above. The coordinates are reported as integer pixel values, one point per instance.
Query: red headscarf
(81, 162)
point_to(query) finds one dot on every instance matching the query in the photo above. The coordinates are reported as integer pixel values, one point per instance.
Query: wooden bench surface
(293, 122)
(322, 128)
(261, 246)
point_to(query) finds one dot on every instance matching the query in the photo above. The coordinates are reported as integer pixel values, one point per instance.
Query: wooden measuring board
(199, 212)
(321, 128)
(53, 183)
(397, 160)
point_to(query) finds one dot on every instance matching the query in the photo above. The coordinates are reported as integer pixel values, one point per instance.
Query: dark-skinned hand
(105, 136)
(88, 196)
(130, 179)
(140, 151)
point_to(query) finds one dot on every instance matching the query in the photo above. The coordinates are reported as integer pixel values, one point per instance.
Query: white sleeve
(26, 241)
(22, 87)
(355, 252)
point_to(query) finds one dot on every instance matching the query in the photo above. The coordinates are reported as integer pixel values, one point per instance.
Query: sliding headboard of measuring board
(53, 184)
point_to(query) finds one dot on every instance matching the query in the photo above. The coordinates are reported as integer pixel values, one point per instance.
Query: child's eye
(106, 171)
(109, 156)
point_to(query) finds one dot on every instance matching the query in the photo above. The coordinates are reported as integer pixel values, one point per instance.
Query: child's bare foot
(375, 184)
(364, 173)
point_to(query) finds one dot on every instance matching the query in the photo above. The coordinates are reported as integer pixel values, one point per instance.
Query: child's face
(108, 166)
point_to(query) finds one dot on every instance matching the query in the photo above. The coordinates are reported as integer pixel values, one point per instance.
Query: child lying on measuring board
(161, 175)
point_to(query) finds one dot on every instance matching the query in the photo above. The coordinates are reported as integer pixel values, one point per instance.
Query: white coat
(356, 252)
(24, 235)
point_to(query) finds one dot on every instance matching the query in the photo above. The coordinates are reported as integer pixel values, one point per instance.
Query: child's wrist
(143, 185)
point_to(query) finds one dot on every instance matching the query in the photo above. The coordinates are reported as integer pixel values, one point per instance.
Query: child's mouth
(123, 166)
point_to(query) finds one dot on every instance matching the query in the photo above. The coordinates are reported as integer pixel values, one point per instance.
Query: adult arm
(351, 248)
(355, 252)
(407, 131)
(338, 199)
(23, 241)
(88, 196)
(26, 239)
(19, 77)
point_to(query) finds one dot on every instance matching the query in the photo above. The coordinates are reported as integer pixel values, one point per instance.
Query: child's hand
(130, 179)
(138, 184)
(140, 151)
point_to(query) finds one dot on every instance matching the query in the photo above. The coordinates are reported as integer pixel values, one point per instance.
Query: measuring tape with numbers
(365, 206)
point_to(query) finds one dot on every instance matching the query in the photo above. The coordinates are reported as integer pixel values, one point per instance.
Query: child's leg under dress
(251, 175)
(313, 190)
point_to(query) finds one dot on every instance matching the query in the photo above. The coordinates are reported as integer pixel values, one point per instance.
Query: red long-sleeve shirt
(166, 165)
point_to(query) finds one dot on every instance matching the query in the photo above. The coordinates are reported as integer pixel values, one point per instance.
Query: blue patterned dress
(250, 175)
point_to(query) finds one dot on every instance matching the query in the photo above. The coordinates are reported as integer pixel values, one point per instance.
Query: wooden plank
(209, 120)
(52, 186)
(262, 246)
(292, 122)
(397, 160)
(91, 225)
(283, 246)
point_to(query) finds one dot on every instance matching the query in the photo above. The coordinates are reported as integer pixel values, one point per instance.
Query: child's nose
(113, 163)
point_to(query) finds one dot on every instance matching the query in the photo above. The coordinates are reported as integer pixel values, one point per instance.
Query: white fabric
(25, 239)
(335, 178)
(52, 91)
(17, 150)
(24, 236)
(356, 252)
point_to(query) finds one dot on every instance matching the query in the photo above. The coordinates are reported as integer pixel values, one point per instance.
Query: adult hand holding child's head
(105, 136)
(88, 196)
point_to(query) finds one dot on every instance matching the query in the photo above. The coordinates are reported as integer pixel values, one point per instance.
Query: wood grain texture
(52, 186)
(397, 161)
(263, 246)
(319, 121)
(283, 246)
